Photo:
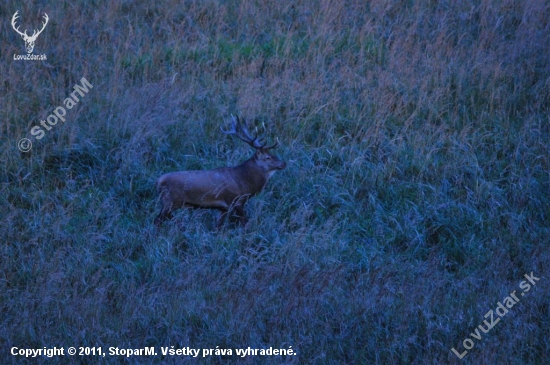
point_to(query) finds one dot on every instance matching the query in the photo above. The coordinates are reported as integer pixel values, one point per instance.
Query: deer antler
(35, 35)
(274, 145)
(24, 34)
(13, 19)
(241, 131)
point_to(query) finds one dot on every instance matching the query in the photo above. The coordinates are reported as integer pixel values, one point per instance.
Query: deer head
(29, 40)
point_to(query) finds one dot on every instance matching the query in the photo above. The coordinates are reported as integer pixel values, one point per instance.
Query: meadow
(415, 199)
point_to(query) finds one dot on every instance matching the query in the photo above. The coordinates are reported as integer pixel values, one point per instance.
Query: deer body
(226, 188)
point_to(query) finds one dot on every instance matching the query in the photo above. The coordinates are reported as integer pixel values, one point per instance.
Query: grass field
(416, 196)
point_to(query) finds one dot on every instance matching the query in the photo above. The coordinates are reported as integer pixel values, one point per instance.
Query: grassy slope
(416, 196)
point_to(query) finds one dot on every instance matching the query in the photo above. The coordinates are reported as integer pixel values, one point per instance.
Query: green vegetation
(416, 196)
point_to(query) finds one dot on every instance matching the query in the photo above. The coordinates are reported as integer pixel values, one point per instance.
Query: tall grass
(416, 195)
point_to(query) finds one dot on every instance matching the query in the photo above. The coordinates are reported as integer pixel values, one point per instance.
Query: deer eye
(268, 157)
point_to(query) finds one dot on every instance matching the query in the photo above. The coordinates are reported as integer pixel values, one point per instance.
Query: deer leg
(221, 219)
(240, 214)
(165, 210)
(162, 216)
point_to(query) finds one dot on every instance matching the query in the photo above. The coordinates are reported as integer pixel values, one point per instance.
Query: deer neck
(253, 175)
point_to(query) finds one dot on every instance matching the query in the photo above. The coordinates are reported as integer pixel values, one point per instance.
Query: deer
(29, 40)
(226, 189)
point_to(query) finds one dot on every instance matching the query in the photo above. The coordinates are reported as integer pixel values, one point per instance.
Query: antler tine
(43, 26)
(275, 145)
(262, 137)
(244, 130)
(16, 28)
(241, 131)
(245, 135)
(233, 129)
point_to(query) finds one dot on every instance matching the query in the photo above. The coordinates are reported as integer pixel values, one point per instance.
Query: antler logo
(29, 40)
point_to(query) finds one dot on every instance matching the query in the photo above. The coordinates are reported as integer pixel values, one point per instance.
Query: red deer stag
(226, 188)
